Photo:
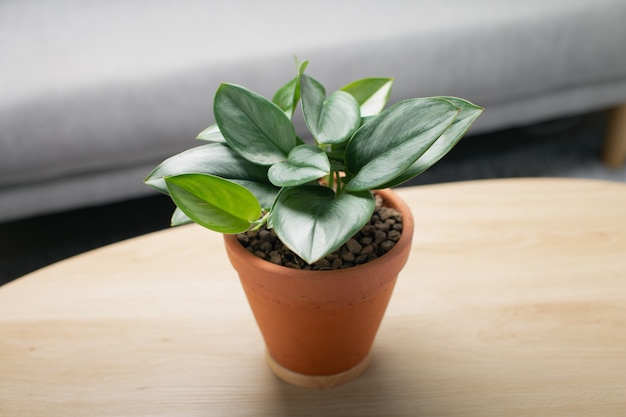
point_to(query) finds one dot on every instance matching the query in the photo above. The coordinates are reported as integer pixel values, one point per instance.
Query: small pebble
(394, 235)
(367, 249)
(380, 226)
(353, 246)
(379, 236)
(387, 245)
(322, 263)
(275, 257)
(264, 234)
(361, 259)
(348, 257)
(367, 230)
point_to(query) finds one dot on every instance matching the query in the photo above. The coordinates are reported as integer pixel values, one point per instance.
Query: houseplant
(257, 174)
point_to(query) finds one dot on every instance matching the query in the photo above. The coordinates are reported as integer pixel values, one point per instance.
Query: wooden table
(513, 304)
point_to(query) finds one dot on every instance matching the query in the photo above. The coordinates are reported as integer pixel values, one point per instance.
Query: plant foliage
(256, 171)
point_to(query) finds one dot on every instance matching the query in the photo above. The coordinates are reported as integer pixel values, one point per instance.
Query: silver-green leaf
(253, 126)
(214, 159)
(391, 142)
(305, 163)
(330, 120)
(211, 134)
(313, 222)
(468, 114)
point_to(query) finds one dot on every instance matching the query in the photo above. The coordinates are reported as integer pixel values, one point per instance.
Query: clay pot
(319, 326)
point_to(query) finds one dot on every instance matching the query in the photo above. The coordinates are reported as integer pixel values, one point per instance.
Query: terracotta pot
(319, 326)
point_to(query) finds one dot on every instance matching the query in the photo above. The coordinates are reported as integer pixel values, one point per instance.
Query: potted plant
(256, 178)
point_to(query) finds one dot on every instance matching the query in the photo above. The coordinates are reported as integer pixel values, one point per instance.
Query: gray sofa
(95, 94)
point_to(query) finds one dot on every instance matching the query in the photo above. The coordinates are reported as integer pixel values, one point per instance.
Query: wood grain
(513, 303)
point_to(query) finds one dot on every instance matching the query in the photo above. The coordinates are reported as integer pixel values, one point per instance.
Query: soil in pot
(375, 239)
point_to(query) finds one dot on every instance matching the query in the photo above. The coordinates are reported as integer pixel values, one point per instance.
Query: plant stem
(338, 189)
(263, 220)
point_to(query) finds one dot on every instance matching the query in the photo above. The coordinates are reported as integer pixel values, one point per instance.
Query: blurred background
(97, 93)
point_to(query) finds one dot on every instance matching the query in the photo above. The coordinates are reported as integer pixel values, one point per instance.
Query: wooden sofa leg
(614, 153)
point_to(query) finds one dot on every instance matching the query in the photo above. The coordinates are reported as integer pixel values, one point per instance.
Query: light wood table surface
(513, 304)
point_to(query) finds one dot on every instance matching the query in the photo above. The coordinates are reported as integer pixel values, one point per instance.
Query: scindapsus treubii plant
(257, 171)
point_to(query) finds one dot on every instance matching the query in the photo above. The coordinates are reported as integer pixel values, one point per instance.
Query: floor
(562, 148)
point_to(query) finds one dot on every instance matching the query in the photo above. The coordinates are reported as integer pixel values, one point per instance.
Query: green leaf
(391, 142)
(211, 134)
(371, 94)
(214, 202)
(264, 193)
(313, 222)
(305, 163)
(287, 96)
(253, 126)
(301, 66)
(330, 120)
(468, 114)
(214, 159)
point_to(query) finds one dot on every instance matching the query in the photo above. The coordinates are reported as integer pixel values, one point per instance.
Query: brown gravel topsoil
(375, 239)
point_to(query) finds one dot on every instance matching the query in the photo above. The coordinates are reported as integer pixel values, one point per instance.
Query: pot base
(314, 381)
